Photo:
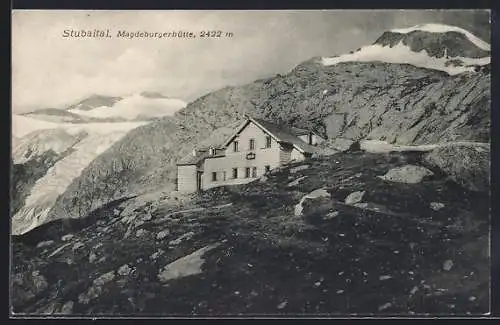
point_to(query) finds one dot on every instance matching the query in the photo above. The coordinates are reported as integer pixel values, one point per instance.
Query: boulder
(66, 237)
(409, 174)
(162, 234)
(185, 266)
(124, 270)
(318, 193)
(354, 197)
(436, 206)
(45, 243)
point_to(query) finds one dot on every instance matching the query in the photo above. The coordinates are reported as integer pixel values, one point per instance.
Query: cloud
(51, 71)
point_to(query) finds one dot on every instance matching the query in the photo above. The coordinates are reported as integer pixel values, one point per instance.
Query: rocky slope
(397, 103)
(355, 233)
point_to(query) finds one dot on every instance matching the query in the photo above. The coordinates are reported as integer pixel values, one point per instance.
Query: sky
(49, 70)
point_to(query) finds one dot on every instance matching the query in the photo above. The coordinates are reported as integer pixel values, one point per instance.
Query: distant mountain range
(143, 106)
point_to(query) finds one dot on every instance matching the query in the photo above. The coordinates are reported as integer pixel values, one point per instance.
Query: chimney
(211, 151)
(194, 152)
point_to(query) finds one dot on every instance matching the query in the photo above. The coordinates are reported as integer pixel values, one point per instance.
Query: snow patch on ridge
(402, 54)
(441, 28)
(379, 146)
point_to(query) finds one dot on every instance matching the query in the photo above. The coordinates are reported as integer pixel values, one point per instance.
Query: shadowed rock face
(435, 44)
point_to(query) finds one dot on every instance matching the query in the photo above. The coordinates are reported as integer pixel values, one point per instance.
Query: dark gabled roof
(288, 135)
(298, 131)
(280, 133)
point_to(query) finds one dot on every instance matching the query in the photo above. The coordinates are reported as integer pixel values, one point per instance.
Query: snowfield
(378, 146)
(441, 28)
(22, 125)
(402, 54)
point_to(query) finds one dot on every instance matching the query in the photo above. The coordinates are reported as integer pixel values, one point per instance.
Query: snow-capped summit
(432, 46)
(437, 40)
(441, 28)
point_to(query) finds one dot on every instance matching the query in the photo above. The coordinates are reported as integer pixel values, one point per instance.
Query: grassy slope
(269, 258)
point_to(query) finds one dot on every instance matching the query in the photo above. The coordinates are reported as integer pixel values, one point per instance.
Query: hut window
(252, 144)
(235, 146)
(268, 141)
(235, 172)
(214, 176)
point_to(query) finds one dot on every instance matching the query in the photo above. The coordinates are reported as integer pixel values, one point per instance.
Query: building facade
(257, 147)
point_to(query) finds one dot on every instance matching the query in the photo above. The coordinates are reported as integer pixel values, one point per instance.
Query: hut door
(198, 180)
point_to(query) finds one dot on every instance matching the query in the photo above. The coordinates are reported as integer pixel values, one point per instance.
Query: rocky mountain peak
(95, 101)
(431, 46)
(437, 40)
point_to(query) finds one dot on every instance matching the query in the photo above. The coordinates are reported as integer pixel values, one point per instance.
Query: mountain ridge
(142, 106)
